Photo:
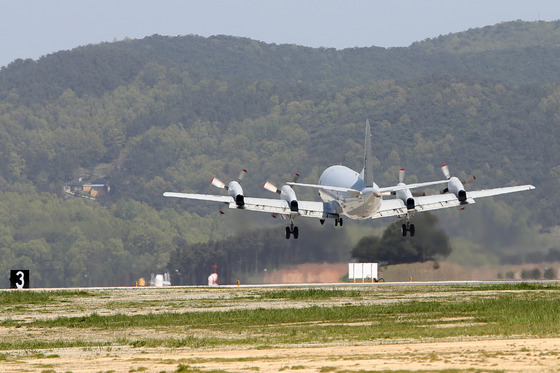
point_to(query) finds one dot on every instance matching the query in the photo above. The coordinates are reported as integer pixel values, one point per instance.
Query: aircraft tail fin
(368, 158)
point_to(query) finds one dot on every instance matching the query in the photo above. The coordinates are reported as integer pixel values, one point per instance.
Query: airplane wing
(203, 197)
(396, 207)
(320, 210)
(324, 210)
(497, 191)
(312, 209)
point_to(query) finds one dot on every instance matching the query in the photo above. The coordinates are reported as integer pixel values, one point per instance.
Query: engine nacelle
(234, 190)
(288, 195)
(406, 196)
(410, 204)
(456, 187)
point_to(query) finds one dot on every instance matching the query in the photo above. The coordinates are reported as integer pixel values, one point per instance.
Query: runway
(309, 285)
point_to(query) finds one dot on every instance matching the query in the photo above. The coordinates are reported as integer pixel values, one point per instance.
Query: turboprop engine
(405, 194)
(286, 193)
(233, 188)
(455, 185)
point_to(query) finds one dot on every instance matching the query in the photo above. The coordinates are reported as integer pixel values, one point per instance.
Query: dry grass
(366, 327)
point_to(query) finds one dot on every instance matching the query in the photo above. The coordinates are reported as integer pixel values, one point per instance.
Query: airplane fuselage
(361, 205)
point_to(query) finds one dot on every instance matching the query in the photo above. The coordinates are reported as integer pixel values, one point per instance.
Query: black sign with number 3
(19, 279)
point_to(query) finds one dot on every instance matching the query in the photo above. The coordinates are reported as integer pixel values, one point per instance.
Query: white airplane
(345, 192)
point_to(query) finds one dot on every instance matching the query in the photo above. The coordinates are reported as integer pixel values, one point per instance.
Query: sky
(34, 28)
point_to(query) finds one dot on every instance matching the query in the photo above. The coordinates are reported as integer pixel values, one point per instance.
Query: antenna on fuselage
(368, 167)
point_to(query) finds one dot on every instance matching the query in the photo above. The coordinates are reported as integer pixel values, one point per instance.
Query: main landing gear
(408, 227)
(292, 229)
(337, 221)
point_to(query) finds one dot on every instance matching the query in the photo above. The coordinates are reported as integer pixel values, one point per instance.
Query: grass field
(46, 328)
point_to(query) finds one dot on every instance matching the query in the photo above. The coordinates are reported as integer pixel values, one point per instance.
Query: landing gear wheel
(292, 230)
(338, 221)
(408, 228)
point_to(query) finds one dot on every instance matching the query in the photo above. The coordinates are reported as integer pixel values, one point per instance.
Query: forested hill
(170, 113)
(501, 37)
(513, 52)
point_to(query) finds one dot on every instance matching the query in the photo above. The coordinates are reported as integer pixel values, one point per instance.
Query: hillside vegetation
(170, 113)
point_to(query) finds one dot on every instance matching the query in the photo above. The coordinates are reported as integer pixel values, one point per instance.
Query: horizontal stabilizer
(411, 186)
(327, 188)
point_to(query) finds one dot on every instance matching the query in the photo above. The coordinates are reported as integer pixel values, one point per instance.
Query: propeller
(402, 173)
(220, 184)
(286, 193)
(469, 179)
(447, 174)
(272, 188)
(242, 174)
(445, 170)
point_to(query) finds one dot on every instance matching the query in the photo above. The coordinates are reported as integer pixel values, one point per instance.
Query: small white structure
(160, 280)
(213, 279)
(361, 271)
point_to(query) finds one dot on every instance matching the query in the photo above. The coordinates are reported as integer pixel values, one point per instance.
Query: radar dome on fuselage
(341, 176)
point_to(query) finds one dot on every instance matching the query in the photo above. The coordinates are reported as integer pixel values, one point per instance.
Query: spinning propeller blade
(218, 183)
(445, 171)
(447, 174)
(401, 175)
(271, 187)
(241, 175)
